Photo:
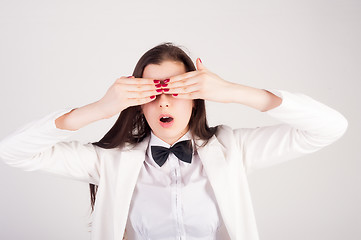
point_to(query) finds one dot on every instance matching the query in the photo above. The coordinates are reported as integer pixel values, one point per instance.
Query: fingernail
(151, 97)
(200, 60)
(130, 76)
(166, 89)
(158, 85)
(159, 90)
(156, 81)
(175, 95)
(164, 85)
(166, 80)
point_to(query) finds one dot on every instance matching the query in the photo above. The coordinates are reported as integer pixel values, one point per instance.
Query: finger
(138, 87)
(140, 101)
(136, 81)
(191, 95)
(200, 65)
(183, 89)
(183, 82)
(144, 94)
(182, 76)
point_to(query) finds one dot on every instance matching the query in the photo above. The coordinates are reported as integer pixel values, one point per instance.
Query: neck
(171, 141)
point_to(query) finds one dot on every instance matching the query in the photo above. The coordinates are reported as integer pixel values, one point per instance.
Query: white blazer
(230, 155)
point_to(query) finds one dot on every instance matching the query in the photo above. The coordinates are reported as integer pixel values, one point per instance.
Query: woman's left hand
(200, 84)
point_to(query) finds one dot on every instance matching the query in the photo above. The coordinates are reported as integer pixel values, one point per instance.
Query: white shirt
(175, 201)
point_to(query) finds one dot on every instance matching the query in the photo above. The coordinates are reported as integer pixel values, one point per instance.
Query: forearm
(80, 117)
(259, 99)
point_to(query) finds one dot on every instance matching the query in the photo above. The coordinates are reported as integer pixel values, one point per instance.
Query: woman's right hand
(126, 92)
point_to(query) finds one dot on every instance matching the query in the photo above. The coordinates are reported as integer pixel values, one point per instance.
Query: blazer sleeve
(307, 126)
(40, 145)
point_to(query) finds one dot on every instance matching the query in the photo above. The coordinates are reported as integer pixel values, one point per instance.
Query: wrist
(100, 111)
(259, 99)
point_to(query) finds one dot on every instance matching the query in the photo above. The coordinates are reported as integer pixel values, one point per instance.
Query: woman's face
(179, 109)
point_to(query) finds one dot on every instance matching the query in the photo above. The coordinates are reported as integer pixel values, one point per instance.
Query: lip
(165, 115)
(166, 124)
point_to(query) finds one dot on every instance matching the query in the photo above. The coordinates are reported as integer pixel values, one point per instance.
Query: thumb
(200, 65)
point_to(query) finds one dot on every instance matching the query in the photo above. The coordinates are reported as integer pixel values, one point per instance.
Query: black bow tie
(182, 150)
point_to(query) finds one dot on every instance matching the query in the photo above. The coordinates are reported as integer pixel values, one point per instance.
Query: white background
(56, 54)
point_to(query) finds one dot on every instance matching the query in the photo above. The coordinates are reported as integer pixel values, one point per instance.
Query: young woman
(161, 172)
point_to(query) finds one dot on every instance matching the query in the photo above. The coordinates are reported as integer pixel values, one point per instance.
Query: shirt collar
(154, 140)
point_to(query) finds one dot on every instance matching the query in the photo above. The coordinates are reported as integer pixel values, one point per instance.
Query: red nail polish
(151, 97)
(166, 89)
(175, 95)
(166, 80)
(129, 76)
(156, 81)
(158, 85)
(159, 90)
(200, 60)
(164, 85)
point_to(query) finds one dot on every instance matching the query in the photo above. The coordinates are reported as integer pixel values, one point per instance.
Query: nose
(164, 100)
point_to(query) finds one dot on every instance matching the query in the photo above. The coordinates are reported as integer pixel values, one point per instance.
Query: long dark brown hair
(131, 125)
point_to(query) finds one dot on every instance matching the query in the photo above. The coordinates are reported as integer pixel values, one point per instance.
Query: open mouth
(166, 119)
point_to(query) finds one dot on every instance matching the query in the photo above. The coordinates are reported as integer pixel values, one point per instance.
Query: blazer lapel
(217, 170)
(133, 158)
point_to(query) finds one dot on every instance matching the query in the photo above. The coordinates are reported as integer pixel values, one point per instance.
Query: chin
(170, 132)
